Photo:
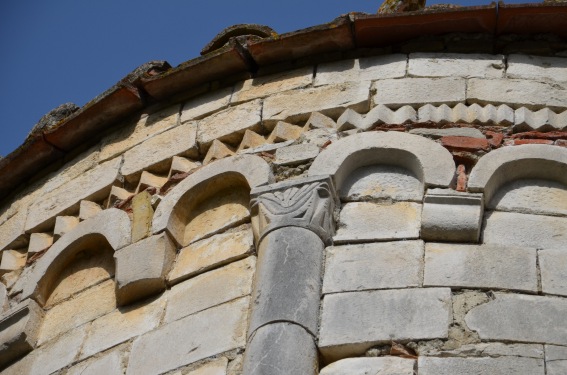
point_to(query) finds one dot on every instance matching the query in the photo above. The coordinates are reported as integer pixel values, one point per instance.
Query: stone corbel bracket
(307, 203)
(450, 216)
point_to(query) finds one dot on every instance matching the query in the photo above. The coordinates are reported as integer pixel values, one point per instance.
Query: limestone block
(190, 339)
(366, 366)
(451, 132)
(214, 367)
(12, 260)
(332, 100)
(88, 209)
(515, 317)
(397, 93)
(39, 242)
(455, 65)
(544, 119)
(19, 329)
(552, 263)
(210, 253)
(132, 134)
(64, 224)
(141, 268)
(117, 194)
(363, 69)
(555, 360)
(493, 349)
(85, 307)
(382, 316)
(263, 86)
(295, 352)
(251, 140)
(287, 285)
(203, 105)
(535, 231)
(107, 363)
(364, 221)
(516, 93)
(373, 266)
(234, 120)
(480, 266)
(155, 152)
(181, 165)
(142, 213)
(473, 366)
(296, 154)
(94, 185)
(380, 114)
(3, 298)
(379, 182)
(284, 131)
(318, 120)
(319, 137)
(267, 147)
(12, 231)
(122, 325)
(539, 68)
(217, 151)
(451, 216)
(211, 289)
(149, 180)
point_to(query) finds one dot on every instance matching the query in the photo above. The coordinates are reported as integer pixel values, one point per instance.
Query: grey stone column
(292, 222)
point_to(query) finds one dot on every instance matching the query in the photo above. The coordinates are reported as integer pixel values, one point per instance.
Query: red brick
(461, 178)
(494, 139)
(541, 135)
(465, 143)
(533, 141)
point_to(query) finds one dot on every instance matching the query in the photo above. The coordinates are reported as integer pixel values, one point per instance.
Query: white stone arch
(428, 160)
(112, 225)
(247, 171)
(507, 164)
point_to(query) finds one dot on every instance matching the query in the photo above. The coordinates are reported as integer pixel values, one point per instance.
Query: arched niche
(425, 159)
(502, 167)
(211, 199)
(110, 230)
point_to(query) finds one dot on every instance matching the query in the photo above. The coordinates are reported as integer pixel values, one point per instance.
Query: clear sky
(58, 51)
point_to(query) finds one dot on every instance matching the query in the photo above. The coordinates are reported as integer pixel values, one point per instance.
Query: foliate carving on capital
(308, 203)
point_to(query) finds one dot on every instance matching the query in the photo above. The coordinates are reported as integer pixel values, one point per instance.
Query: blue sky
(58, 51)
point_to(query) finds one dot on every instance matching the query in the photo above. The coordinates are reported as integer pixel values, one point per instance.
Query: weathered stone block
(455, 65)
(555, 360)
(535, 231)
(141, 268)
(217, 151)
(142, 214)
(107, 363)
(205, 104)
(19, 328)
(382, 316)
(263, 86)
(545, 68)
(364, 69)
(330, 100)
(373, 266)
(214, 367)
(59, 353)
(190, 339)
(295, 352)
(64, 224)
(12, 260)
(552, 265)
(88, 209)
(366, 366)
(492, 349)
(251, 140)
(211, 289)
(121, 325)
(515, 317)
(451, 216)
(396, 93)
(364, 221)
(473, 366)
(3, 298)
(438, 133)
(12, 231)
(296, 154)
(182, 165)
(480, 266)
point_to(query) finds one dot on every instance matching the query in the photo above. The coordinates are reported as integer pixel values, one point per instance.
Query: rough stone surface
(88, 209)
(235, 121)
(12, 231)
(296, 154)
(373, 266)
(215, 367)
(288, 280)
(364, 221)
(210, 253)
(210, 289)
(330, 100)
(484, 266)
(552, 265)
(473, 366)
(58, 353)
(495, 349)
(517, 93)
(438, 133)
(107, 363)
(455, 65)
(205, 104)
(141, 268)
(142, 213)
(260, 87)
(64, 224)
(546, 68)
(536, 231)
(555, 360)
(180, 141)
(19, 329)
(382, 316)
(12, 260)
(265, 353)
(374, 366)
(3, 298)
(122, 325)
(364, 69)
(418, 91)
(514, 317)
(190, 339)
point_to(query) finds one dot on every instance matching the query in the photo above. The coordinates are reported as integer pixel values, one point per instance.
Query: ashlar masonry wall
(395, 214)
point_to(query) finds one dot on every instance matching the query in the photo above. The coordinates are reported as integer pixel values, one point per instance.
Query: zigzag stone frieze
(474, 114)
(544, 119)
(378, 115)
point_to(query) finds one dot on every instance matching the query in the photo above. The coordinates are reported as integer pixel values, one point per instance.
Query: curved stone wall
(398, 214)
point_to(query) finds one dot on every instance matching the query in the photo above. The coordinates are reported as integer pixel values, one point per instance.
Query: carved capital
(307, 203)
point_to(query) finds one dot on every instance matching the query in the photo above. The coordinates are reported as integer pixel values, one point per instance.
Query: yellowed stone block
(12, 260)
(88, 209)
(284, 132)
(251, 140)
(218, 150)
(142, 213)
(64, 224)
(182, 165)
